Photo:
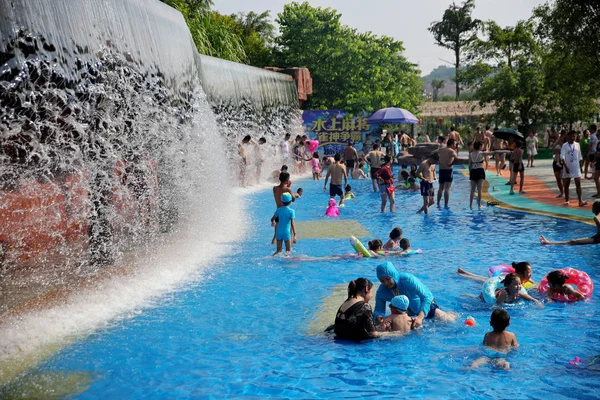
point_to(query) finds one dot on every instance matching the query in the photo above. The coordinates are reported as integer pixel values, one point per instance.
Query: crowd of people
(409, 300)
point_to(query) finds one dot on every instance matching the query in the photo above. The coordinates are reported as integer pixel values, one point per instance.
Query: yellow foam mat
(334, 229)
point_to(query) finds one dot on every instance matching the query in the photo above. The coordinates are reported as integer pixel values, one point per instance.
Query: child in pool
(404, 245)
(557, 285)
(413, 186)
(499, 340)
(399, 321)
(394, 242)
(402, 179)
(285, 230)
(316, 166)
(522, 269)
(593, 240)
(299, 193)
(375, 246)
(348, 194)
(512, 291)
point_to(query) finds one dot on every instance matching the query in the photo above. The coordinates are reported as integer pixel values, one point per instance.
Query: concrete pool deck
(541, 191)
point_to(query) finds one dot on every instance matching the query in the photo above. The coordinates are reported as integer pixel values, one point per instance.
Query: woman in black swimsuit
(354, 319)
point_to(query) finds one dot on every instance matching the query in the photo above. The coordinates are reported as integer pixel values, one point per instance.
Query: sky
(404, 20)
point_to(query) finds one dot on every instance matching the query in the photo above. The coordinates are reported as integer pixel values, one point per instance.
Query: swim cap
(286, 197)
(400, 303)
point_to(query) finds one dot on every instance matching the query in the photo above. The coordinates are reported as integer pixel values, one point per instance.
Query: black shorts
(335, 190)
(432, 309)
(427, 189)
(591, 157)
(477, 174)
(556, 166)
(445, 176)
(373, 171)
(518, 167)
(350, 163)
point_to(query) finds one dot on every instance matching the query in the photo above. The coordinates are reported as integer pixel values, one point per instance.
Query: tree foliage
(455, 31)
(436, 85)
(257, 34)
(212, 32)
(350, 70)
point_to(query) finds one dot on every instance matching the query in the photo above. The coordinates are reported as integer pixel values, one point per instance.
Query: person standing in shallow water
(351, 157)
(385, 178)
(337, 171)
(447, 156)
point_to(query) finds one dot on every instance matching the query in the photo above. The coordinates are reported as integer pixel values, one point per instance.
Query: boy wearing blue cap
(399, 321)
(286, 229)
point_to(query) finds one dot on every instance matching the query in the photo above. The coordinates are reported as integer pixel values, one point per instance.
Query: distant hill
(442, 72)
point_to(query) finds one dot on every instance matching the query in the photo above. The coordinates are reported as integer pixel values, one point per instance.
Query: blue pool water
(242, 331)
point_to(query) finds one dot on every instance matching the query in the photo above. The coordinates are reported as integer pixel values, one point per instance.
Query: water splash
(118, 163)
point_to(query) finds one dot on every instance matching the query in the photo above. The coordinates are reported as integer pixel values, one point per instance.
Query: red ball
(470, 322)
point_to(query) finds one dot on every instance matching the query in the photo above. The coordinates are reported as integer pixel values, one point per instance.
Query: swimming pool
(251, 325)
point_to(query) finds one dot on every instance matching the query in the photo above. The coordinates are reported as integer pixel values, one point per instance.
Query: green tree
(350, 70)
(436, 85)
(257, 34)
(508, 72)
(213, 33)
(570, 27)
(456, 31)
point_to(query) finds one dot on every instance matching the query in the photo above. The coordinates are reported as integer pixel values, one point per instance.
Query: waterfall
(118, 149)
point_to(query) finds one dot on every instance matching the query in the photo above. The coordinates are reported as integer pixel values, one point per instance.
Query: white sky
(404, 20)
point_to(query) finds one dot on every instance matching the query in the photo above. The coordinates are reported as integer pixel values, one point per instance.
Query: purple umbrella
(393, 115)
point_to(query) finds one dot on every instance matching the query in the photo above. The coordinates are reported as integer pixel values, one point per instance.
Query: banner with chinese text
(334, 129)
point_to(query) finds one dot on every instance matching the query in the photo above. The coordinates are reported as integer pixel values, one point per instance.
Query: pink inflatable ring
(582, 282)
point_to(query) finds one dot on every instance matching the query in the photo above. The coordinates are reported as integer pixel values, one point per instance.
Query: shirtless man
(374, 159)
(337, 171)
(489, 135)
(456, 136)
(499, 144)
(425, 175)
(351, 157)
(447, 155)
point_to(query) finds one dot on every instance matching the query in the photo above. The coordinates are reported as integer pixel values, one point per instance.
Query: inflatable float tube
(395, 252)
(582, 282)
(491, 285)
(503, 269)
(358, 246)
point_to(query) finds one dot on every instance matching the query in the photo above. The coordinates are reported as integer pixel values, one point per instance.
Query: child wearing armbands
(498, 342)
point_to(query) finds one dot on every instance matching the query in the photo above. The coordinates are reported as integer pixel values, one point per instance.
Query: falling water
(117, 143)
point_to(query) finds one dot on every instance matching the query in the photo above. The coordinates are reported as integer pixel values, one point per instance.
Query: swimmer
(394, 242)
(522, 269)
(592, 240)
(413, 186)
(557, 285)
(499, 340)
(404, 245)
(348, 195)
(511, 293)
(299, 193)
(398, 321)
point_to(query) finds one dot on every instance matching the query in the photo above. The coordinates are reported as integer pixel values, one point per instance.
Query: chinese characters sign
(334, 128)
